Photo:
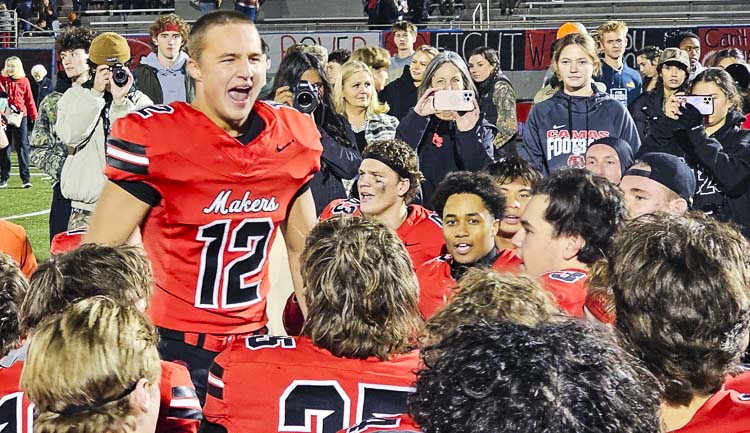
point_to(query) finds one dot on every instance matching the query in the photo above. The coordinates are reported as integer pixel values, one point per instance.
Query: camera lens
(305, 100)
(119, 76)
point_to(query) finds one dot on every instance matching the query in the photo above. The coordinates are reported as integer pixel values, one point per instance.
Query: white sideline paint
(26, 215)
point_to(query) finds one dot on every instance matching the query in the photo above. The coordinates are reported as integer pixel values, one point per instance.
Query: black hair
(650, 52)
(679, 37)
(556, 377)
(583, 204)
(467, 182)
(340, 56)
(73, 39)
(265, 49)
(290, 73)
(514, 167)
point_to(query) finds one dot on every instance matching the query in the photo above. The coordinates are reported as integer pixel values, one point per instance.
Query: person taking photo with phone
(560, 129)
(714, 146)
(445, 139)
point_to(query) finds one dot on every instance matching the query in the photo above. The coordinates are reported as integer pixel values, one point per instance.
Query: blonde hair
(20, 73)
(361, 290)
(585, 43)
(83, 364)
(612, 26)
(374, 57)
(347, 70)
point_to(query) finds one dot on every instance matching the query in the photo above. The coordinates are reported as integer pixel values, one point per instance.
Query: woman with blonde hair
(355, 97)
(14, 83)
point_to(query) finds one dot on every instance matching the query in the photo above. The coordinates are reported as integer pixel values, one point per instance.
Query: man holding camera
(86, 113)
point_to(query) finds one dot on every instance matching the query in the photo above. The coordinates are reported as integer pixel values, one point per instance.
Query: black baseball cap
(668, 170)
(740, 74)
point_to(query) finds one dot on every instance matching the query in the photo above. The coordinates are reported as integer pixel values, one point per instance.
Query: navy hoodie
(560, 129)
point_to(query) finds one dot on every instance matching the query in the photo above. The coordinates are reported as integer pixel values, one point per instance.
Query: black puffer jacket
(721, 163)
(647, 109)
(339, 161)
(400, 94)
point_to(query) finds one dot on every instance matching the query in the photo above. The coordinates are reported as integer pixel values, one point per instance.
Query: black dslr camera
(119, 76)
(306, 97)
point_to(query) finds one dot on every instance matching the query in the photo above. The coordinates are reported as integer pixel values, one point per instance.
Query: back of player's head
(681, 294)
(559, 376)
(483, 294)
(467, 182)
(122, 273)
(399, 157)
(585, 205)
(201, 27)
(13, 288)
(361, 291)
(84, 364)
(514, 168)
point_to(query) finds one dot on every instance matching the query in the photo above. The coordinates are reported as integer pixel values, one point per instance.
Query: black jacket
(647, 109)
(443, 149)
(148, 83)
(721, 163)
(40, 89)
(337, 162)
(400, 94)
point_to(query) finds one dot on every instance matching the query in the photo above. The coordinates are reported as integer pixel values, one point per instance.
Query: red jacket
(19, 94)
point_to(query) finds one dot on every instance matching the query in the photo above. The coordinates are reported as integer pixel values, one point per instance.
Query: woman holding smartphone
(714, 146)
(446, 140)
(560, 129)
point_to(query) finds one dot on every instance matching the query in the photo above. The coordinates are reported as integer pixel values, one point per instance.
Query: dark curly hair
(561, 376)
(400, 155)
(583, 204)
(13, 288)
(513, 168)
(682, 301)
(73, 39)
(467, 182)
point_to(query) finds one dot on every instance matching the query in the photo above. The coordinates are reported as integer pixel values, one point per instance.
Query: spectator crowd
(451, 271)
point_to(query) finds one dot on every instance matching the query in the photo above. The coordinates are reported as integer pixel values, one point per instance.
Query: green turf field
(15, 200)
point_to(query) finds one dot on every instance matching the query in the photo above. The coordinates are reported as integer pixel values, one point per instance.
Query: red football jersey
(436, 283)
(421, 232)
(264, 383)
(727, 411)
(402, 422)
(16, 413)
(569, 289)
(221, 202)
(67, 241)
(180, 410)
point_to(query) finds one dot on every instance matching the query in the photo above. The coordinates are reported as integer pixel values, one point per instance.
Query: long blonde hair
(20, 73)
(347, 70)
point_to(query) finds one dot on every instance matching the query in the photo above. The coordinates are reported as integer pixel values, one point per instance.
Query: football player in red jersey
(94, 367)
(516, 177)
(472, 206)
(124, 275)
(681, 296)
(566, 228)
(389, 180)
(15, 413)
(209, 184)
(354, 358)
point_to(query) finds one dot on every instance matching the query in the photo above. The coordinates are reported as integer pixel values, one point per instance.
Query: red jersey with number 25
(569, 289)
(268, 384)
(727, 411)
(421, 232)
(221, 202)
(403, 423)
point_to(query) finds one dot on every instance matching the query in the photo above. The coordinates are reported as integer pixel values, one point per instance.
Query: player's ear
(678, 206)
(403, 187)
(496, 226)
(194, 70)
(140, 398)
(573, 245)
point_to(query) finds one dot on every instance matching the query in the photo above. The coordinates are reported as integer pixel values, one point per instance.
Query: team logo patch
(569, 277)
(577, 161)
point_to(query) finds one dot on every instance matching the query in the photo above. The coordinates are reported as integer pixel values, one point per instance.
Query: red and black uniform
(179, 411)
(402, 423)
(216, 204)
(438, 277)
(569, 289)
(727, 411)
(302, 388)
(67, 241)
(421, 233)
(15, 413)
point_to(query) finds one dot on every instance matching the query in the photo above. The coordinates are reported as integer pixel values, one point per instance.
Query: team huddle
(514, 299)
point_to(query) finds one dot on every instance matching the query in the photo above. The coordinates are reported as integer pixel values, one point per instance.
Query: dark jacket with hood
(647, 109)
(560, 129)
(400, 94)
(497, 101)
(443, 149)
(147, 79)
(721, 162)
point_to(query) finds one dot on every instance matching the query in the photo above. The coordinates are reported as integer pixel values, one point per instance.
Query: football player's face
(540, 251)
(468, 228)
(517, 196)
(380, 188)
(229, 74)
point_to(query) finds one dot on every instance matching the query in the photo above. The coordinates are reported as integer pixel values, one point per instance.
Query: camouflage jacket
(48, 152)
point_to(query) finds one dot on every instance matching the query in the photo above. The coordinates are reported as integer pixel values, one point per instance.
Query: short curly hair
(170, 19)
(13, 288)
(554, 377)
(467, 182)
(681, 295)
(402, 159)
(73, 39)
(512, 168)
(583, 204)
